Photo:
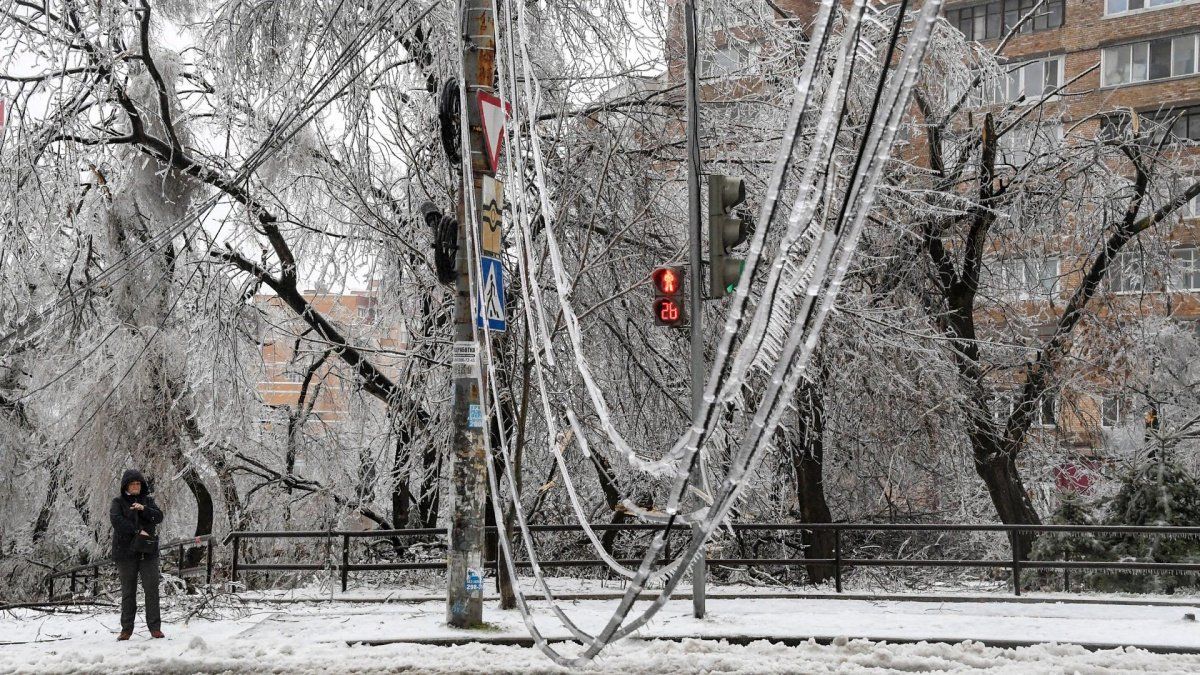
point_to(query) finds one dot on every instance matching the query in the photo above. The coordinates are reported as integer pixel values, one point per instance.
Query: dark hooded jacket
(126, 521)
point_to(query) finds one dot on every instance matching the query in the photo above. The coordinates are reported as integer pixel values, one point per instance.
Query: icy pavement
(315, 637)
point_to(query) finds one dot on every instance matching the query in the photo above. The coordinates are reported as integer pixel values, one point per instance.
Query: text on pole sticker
(475, 416)
(463, 360)
(474, 581)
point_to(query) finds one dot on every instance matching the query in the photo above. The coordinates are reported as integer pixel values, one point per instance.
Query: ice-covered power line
(824, 265)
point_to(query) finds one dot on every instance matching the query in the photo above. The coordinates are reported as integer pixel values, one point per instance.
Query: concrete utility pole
(464, 572)
(695, 276)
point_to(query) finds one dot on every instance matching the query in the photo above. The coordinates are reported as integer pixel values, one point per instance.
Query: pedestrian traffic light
(725, 231)
(668, 296)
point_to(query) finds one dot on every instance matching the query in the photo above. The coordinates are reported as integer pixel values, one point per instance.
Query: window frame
(1019, 69)
(1121, 407)
(1027, 288)
(1192, 270)
(1131, 54)
(1039, 418)
(1028, 135)
(708, 60)
(1190, 209)
(1120, 262)
(1146, 7)
(1007, 13)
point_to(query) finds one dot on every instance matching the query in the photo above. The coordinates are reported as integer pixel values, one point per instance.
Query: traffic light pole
(464, 571)
(696, 276)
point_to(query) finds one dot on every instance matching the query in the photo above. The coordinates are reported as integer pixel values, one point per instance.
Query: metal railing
(1015, 535)
(82, 573)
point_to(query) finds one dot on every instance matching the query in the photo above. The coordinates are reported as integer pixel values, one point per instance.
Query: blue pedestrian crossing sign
(490, 304)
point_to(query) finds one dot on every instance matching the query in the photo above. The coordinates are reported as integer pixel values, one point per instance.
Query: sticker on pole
(492, 215)
(463, 360)
(474, 416)
(474, 583)
(491, 295)
(492, 116)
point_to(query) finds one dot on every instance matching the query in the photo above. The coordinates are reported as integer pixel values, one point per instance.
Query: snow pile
(741, 635)
(631, 656)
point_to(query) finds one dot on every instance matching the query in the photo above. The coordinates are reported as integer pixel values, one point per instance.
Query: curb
(1023, 599)
(794, 641)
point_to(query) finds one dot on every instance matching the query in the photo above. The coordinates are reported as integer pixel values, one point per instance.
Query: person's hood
(131, 475)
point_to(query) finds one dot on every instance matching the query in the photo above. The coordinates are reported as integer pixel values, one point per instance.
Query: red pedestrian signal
(667, 280)
(668, 304)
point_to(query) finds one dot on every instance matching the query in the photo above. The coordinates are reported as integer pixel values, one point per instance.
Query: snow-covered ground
(250, 635)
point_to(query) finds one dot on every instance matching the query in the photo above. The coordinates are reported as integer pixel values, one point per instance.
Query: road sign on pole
(491, 216)
(491, 296)
(492, 116)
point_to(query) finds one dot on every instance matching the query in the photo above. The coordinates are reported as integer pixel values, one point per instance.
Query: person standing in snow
(135, 550)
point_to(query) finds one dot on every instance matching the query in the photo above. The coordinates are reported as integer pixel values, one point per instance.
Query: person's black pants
(128, 571)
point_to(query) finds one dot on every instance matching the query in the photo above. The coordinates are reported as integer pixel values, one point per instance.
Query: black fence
(80, 576)
(1014, 535)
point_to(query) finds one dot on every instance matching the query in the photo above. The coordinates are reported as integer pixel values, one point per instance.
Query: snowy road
(304, 638)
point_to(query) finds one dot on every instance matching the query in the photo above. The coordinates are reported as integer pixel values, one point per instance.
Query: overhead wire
(789, 368)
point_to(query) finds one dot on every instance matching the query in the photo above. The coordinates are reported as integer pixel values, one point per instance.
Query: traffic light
(725, 231)
(668, 296)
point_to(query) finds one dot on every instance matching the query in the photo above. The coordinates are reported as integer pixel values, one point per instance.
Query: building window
(1028, 142)
(1191, 208)
(722, 15)
(1184, 123)
(1046, 414)
(292, 375)
(995, 19)
(1177, 125)
(1028, 81)
(1114, 411)
(1187, 269)
(1026, 277)
(366, 313)
(1125, 274)
(735, 58)
(1119, 6)
(1147, 61)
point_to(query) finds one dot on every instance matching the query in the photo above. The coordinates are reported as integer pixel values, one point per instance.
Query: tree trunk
(807, 460)
(999, 473)
(431, 486)
(53, 486)
(508, 599)
(401, 493)
(204, 502)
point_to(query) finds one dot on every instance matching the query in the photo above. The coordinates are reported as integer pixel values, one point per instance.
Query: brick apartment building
(1129, 56)
(285, 368)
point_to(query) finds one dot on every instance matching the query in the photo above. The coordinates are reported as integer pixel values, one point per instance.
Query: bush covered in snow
(1157, 492)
